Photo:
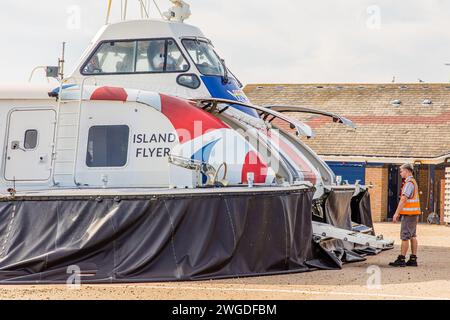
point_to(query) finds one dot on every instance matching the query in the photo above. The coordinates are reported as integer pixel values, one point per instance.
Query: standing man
(408, 211)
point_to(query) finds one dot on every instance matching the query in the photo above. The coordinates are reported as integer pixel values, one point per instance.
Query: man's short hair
(407, 166)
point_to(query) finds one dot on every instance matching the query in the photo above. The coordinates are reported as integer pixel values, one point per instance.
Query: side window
(107, 146)
(31, 138)
(175, 60)
(159, 55)
(112, 57)
(151, 56)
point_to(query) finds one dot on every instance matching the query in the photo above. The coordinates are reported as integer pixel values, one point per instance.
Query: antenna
(142, 10)
(124, 9)
(108, 11)
(447, 64)
(144, 7)
(159, 10)
(62, 61)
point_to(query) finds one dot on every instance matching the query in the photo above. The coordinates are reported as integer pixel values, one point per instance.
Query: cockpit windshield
(141, 56)
(204, 57)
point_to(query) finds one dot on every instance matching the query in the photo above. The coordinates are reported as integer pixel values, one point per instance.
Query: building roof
(393, 120)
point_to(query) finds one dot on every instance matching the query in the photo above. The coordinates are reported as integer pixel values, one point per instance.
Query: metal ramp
(323, 231)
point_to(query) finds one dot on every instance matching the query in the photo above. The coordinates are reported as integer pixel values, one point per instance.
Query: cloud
(263, 41)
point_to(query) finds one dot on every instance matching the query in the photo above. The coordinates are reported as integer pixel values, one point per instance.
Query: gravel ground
(431, 280)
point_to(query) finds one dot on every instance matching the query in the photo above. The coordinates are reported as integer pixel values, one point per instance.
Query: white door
(29, 147)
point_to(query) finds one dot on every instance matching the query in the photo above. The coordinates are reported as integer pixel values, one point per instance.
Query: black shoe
(412, 262)
(400, 262)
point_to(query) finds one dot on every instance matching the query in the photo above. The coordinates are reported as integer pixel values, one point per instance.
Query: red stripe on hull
(110, 93)
(189, 121)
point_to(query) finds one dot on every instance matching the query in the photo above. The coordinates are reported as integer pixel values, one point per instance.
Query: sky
(278, 41)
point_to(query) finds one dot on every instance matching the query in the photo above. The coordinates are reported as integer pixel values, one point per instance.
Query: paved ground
(431, 280)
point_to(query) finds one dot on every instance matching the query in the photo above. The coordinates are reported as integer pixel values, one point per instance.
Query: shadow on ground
(434, 265)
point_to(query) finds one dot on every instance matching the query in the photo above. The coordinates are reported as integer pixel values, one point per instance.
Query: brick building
(396, 123)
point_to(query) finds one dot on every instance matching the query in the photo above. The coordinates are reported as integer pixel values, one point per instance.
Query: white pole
(108, 12)
(125, 10)
(144, 8)
(159, 10)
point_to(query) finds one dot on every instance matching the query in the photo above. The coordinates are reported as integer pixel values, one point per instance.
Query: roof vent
(427, 102)
(396, 102)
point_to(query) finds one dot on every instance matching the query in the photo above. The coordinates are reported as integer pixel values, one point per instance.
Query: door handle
(15, 145)
(43, 158)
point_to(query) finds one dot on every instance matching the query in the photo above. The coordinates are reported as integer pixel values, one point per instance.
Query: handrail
(196, 38)
(210, 104)
(301, 109)
(34, 70)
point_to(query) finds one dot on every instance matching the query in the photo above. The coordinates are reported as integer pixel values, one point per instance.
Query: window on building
(107, 146)
(30, 140)
(142, 56)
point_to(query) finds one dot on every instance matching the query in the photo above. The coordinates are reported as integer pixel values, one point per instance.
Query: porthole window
(30, 140)
(107, 146)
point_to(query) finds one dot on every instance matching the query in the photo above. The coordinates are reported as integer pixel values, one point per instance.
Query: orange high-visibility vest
(412, 206)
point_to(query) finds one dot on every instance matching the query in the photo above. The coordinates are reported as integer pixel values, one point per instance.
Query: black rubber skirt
(207, 236)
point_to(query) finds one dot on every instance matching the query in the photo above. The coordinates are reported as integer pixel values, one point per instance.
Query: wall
(439, 182)
(377, 176)
(426, 189)
(423, 181)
